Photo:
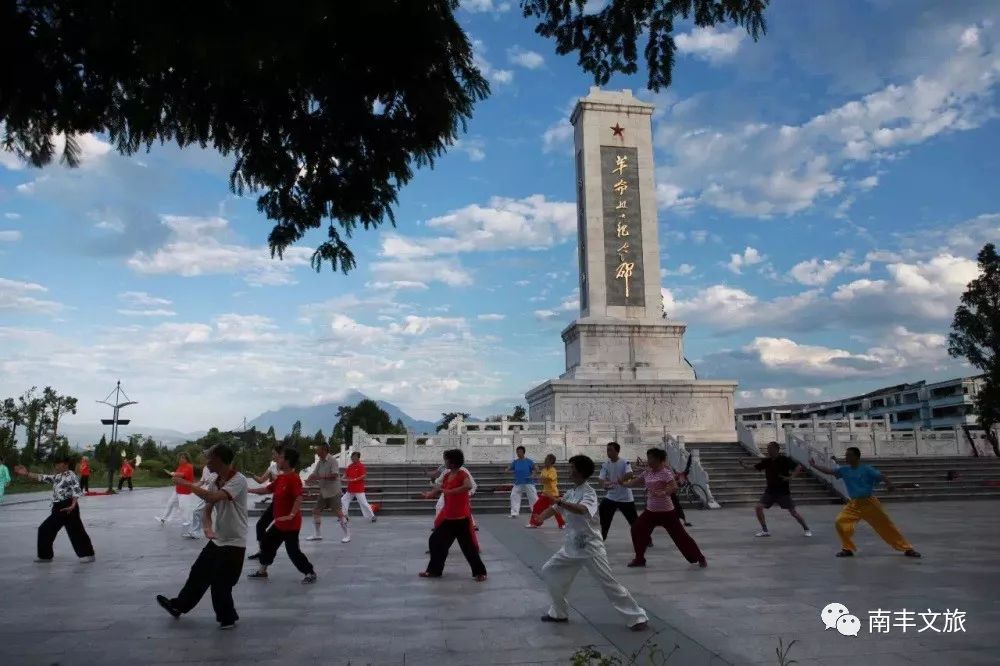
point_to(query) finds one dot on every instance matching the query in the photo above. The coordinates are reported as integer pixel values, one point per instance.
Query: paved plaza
(369, 607)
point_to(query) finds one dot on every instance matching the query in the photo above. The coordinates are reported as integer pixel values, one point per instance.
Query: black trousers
(677, 507)
(440, 543)
(274, 538)
(122, 481)
(218, 568)
(265, 519)
(57, 520)
(607, 508)
(85, 483)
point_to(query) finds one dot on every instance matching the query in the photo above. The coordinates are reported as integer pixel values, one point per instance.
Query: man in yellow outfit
(860, 481)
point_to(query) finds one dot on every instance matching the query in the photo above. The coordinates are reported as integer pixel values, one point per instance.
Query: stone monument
(625, 361)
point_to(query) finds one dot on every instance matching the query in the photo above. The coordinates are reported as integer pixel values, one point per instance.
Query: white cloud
(473, 148)
(729, 308)
(141, 298)
(447, 271)
(683, 269)
(17, 295)
(711, 44)
(503, 224)
(398, 284)
(499, 76)
(491, 317)
(160, 312)
(196, 247)
(764, 170)
(12, 216)
(750, 256)
(774, 394)
(816, 272)
(546, 315)
(485, 6)
(90, 149)
(524, 58)
(9, 236)
(558, 136)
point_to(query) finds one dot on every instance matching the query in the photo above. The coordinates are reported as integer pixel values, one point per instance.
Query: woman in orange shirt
(126, 475)
(84, 474)
(185, 470)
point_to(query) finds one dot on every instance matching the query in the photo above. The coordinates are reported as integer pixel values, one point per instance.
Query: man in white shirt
(617, 497)
(584, 547)
(220, 563)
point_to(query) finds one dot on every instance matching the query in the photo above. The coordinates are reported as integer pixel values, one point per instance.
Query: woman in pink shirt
(660, 484)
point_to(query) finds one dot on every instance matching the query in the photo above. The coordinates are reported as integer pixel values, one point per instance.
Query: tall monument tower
(624, 361)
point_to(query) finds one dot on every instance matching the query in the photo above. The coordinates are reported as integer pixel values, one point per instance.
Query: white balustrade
(799, 450)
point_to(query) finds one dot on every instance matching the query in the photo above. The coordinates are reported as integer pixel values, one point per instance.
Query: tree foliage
(368, 416)
(326, 106)
(975, 333)
(448, 417)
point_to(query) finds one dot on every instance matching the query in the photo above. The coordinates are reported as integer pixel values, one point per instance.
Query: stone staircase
(976, 478)
(395, 487)
(732, 485)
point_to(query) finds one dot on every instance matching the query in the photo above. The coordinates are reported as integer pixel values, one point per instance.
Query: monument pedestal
(698, 410)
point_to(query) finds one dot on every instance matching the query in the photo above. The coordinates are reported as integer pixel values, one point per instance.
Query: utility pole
(114, 422)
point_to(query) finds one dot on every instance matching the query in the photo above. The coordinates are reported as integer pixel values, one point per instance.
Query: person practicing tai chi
(287, 501)
(617, 496)
(267, 517)
(4, 478)
(455, 520)
(65, 511)
(659, 512)
(83, 471)
(185, 471)
(224, 521)
(550, 493)
(207, 479)
(524, 469)
(778, 470)
(355, 476)
(860, 481)
(326, 473)
(583, 547)
(125, 473)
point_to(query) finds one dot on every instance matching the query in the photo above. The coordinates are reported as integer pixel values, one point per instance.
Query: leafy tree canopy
(975, 333)
(326, 106)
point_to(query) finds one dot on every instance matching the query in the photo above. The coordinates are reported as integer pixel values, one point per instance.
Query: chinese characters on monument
(622, 226)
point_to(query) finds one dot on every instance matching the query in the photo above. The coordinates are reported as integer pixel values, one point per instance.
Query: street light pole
(114, 422)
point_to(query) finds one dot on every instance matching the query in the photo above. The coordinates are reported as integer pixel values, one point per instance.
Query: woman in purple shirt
(660, 511)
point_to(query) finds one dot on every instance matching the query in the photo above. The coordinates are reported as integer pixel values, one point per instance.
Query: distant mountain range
(324, 416)
(313, 418)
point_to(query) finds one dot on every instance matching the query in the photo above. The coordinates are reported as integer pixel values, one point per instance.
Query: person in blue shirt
(524, 469)
(860, 481)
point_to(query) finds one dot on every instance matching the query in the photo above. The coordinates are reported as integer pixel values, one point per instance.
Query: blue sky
(822, 195)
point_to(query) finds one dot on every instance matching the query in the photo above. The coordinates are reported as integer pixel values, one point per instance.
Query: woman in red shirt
(84, 474)
(454, 521)
(126, 475)
(185, 470)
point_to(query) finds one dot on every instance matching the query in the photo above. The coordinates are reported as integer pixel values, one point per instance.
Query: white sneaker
(346, 539)
(314, 537)
(513, 515)
(807, 533)
(763, 533)
(188, 535)
(88, 559)
(42, 560)
(162, 521)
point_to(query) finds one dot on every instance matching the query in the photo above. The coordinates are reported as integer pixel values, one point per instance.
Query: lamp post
(114, 422)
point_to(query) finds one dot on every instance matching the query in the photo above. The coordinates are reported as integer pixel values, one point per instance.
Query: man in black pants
(267, 517)
(221, 561)
(65, 512)
(616, 496)
(287, 502)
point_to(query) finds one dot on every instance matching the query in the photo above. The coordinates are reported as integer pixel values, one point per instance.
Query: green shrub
(153, 467)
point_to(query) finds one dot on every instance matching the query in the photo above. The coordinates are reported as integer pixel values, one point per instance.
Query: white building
(937, 406)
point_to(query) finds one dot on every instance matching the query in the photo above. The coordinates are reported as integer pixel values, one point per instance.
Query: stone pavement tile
(370, 605)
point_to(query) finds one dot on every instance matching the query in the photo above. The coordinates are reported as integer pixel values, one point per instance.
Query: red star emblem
(618, 130)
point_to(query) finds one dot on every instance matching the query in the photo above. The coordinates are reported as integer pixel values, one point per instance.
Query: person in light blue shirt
(4, 477)
(860, 481)
(524, 469)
